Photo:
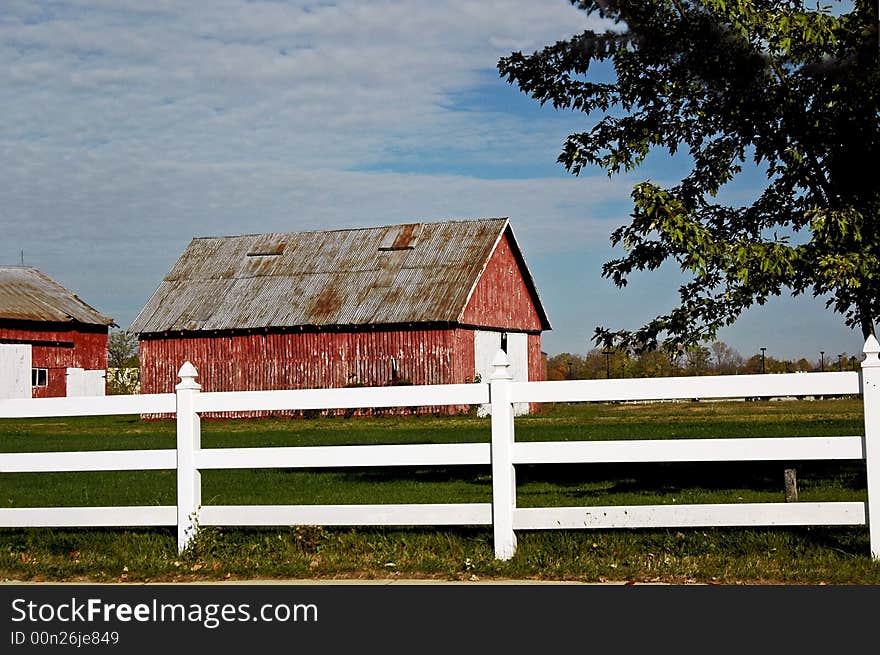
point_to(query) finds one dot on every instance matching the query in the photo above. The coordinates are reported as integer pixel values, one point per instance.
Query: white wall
(15, 370)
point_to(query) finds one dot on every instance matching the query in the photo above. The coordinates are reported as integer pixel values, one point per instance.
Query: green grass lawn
(771, 555)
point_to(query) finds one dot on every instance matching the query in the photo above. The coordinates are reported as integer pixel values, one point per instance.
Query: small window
(393, 369)
(504, 341)
(39, 377)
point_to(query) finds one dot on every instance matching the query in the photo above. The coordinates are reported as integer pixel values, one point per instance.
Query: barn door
(15, 371)
(486, 345)
(81, 382)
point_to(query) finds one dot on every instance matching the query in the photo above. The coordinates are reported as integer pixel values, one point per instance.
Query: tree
(122, 349)
(753, 365)
(803, 365)
(794, 90)
(653, 364)
(567, 366)
(727, 359)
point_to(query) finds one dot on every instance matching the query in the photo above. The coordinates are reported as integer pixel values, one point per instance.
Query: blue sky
(130, 127)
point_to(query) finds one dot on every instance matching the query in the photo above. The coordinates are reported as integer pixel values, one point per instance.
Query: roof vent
(266, 249)
(401, 237)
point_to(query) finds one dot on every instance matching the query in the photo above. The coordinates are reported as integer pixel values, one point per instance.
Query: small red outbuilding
(420, 303)
(67, 337)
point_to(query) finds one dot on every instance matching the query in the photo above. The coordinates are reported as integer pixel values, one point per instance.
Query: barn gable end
(504, 296)
(63, 331)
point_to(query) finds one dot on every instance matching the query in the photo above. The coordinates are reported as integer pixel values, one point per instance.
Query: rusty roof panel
(27, 294)
(413, 273)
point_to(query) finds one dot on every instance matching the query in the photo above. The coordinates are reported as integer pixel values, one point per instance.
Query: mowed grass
(833, 555)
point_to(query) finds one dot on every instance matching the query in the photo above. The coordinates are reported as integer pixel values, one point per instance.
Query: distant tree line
(715, 359)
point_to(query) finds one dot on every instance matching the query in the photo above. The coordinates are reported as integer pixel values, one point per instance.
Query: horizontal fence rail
(753, 449)
(159, 403)
(88, 517)
(350, 398)
(704, 387)
(344, 456)
(97, 460)
(690, 516)
(430, 514)
(502, 454)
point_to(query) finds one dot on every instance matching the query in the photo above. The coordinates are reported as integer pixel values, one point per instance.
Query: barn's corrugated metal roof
(27, 294)
(412, 273)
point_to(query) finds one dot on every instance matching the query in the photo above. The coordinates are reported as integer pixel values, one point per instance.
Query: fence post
(871, 399)
(189, 440)
(503, 474)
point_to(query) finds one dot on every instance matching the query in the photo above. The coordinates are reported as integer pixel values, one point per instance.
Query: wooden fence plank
(690, 450)
(427, 514)
(690, 516)
(344, 456)
(158, 403)
(87, 517)
(98, 460)
(688, 388)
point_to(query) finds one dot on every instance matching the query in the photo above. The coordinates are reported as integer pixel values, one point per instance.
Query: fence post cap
(188, 375)
(871, 350)
(501, 364)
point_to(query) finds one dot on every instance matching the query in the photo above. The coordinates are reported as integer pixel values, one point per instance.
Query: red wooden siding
(463, 341)
(537, 365)
(501, 298)
(301, 360)
(57, 347)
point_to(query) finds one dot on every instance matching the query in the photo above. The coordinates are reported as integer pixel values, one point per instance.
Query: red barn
(420, 303)
(68, 338)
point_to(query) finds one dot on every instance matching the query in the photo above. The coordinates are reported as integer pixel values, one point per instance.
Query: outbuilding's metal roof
(27, 294)
(411, 273)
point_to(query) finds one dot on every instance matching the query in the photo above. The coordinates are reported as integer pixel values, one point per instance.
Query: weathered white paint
(690, 450)
(100, 460)
(84, 382)
(75, 383)
(343, 456)
(87, 517)
(503, 473)
(518, 356)
(710, 386)
(159, 403)
(95, 382)
(871, 384)
(15, 370)
(426, 514)
(690, 516)
(486, 345)
(189, 441)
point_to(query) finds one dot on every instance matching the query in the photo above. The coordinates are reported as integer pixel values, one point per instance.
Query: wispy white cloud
(226, 80)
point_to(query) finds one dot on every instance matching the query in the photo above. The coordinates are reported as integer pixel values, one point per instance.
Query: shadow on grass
(665, 478)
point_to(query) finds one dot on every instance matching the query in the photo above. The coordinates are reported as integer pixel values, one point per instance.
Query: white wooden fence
(503, 454)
